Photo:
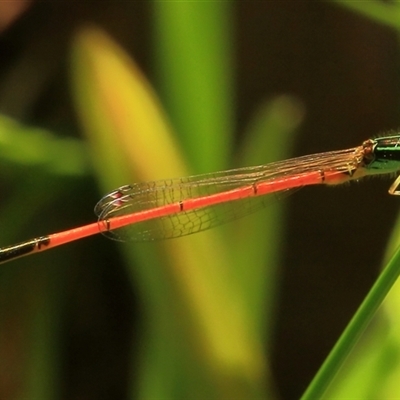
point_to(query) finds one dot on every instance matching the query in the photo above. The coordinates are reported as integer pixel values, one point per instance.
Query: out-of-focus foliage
(206, 301)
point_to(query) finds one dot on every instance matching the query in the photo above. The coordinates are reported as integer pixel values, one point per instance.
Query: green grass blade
(386, 13)
(354, 330)
(25, 147)
(270, 137)
(372, 369)
(193, 58)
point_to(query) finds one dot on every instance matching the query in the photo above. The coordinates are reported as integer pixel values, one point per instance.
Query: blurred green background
(95, 95)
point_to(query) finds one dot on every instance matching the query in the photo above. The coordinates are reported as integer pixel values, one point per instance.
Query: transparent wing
(131, 199)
